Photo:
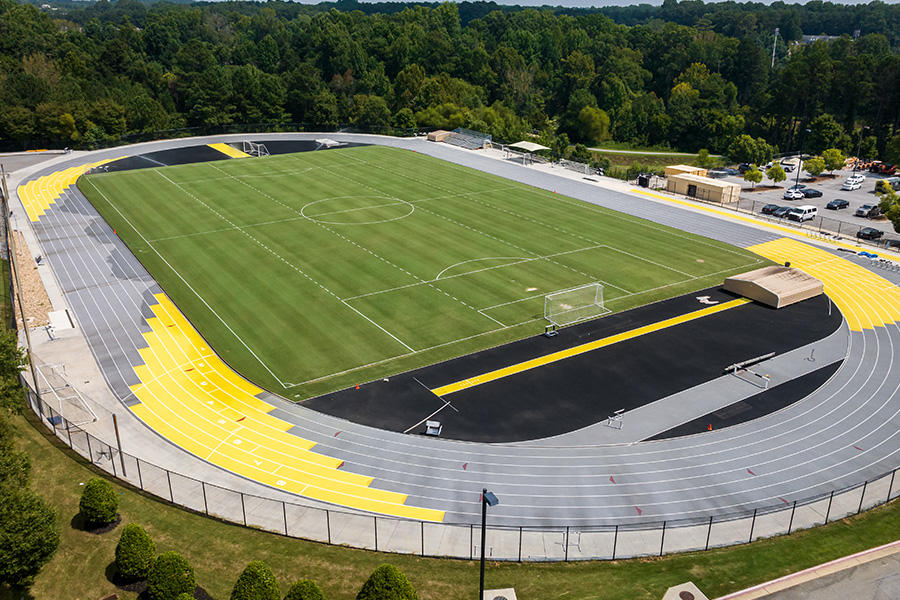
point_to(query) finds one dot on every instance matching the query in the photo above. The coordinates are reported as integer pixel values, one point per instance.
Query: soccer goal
(574, 305)
(254, 149)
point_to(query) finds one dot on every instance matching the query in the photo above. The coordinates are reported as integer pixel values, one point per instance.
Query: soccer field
(311, 272)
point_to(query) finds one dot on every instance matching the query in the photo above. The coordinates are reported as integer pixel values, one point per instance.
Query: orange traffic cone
(357, 387)
(708, 428)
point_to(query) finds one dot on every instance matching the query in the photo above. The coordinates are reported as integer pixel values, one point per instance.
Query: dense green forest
(685, 75)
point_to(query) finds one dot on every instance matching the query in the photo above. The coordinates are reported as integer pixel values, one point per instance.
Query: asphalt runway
(843, 433)
(582, 390)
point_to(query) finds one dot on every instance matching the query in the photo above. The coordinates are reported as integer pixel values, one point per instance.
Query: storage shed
(775, 286)
(438, 136)
(686, 170)
(704, 188)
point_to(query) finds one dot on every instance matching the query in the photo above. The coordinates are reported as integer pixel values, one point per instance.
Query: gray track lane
(805, 449)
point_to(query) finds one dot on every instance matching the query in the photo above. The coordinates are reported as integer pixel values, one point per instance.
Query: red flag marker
(783, 500)
(114, 231)
(640, 512)
(337, 434)
(612, 480)
(465, 465)
(241, 419)
(751, 472)
(857, 447)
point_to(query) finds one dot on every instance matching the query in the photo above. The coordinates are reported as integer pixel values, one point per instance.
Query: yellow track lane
(192, 398)
(865, 299)
(38, 194)
(229, 150)
(575, 351)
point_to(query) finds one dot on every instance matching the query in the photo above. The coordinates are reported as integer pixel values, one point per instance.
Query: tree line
(685, 75)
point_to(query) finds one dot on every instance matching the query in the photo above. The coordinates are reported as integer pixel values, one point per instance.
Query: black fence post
(791, 522)
(566, 558)
(520, 543)
(284, 514)
(709, 532)
(172, 494)
(828, 510)
(662, 539)
(752, 526)
(862, 497)
(471, 541)
(243, 510)
(891, 486)
(375, 520)
(328, 523)
(90, 452)
(422, 523)
(140, 478)
(615, 541)
(205, 505)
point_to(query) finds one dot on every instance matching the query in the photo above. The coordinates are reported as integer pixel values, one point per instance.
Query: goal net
(254, 149)
(574, 305)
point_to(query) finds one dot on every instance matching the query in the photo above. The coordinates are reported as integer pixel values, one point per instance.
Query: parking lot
(842, 222)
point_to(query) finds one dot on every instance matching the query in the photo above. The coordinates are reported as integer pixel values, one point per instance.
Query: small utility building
(775, 286)
(697, 186)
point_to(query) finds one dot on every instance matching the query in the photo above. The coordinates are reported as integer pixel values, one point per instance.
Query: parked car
(744, 167)
(869, 233)
(782, 212)
(849, 186)
(869, 211)
(790, 194)
(803, 213)
(769, 209)
(718, 173)
(812, 193)
(857, 177)
(788, 168)
(731, 171)
(837, 204)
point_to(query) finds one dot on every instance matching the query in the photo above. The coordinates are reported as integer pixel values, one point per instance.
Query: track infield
(310, 272)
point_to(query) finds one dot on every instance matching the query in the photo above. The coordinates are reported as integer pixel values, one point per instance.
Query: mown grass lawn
(219, 551)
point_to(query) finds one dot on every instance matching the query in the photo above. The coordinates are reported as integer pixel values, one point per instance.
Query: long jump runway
(844, 432)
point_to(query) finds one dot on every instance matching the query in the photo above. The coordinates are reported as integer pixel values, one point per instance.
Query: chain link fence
(461, 540)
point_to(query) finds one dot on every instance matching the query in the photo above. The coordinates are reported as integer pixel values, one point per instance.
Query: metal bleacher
(467, 138)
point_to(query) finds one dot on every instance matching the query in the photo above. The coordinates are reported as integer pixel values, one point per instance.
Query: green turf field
(311, 272)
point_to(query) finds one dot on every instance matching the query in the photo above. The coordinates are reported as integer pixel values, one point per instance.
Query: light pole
(487, 499)
(774, 42)
(859, 148)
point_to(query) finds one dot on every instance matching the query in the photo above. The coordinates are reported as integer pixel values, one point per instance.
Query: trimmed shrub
(387, 583)
(170, 576)
(99, 503)
(256, 583)
(185, 596)
(305, 590)
(134, 553)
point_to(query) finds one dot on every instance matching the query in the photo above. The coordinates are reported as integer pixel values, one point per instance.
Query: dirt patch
(761, 188)
(34, 297)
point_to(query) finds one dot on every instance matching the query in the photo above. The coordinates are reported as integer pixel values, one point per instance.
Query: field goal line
(567, 307)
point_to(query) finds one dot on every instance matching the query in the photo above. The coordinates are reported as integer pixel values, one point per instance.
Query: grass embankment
(628, 165)
(219, 552)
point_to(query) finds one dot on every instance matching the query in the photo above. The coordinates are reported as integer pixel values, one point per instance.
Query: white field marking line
(471, 172)
(186, 283)
(652, 262)
(462, 194)
(379, 327)
(340, 212)
(518, 260)
(248, 226)
(348, 240)
(500, 323)
(446, 404)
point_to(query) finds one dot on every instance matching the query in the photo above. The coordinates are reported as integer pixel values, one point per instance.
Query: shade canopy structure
(528, 146)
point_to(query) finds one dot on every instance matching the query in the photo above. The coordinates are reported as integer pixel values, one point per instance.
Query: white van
(803, 213)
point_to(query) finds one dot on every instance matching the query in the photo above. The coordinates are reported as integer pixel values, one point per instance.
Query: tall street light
(487, 499)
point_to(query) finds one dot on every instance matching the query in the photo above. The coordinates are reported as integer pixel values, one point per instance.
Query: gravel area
(34, 297)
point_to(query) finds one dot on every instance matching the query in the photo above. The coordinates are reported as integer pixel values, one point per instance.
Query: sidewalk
(871, 574)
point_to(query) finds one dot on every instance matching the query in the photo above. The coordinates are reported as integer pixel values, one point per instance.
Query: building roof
(706, 181)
